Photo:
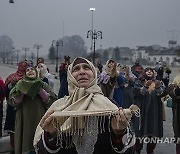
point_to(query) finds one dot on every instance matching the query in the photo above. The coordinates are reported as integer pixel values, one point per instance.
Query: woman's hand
(119, 122)
(46, 125)
(148, 83)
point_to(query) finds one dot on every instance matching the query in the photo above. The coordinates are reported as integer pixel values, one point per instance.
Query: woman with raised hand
(85, 122)
(112, 82)
(147, 96)
(30, 97)
(45, 75)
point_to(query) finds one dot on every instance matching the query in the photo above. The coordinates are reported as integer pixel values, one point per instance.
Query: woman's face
(40, 66)
(83, 74)
(111, 64)
(30, 72)
(149, 73)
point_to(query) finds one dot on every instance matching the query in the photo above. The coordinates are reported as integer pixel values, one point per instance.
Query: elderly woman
(84, 122)
(30, 97)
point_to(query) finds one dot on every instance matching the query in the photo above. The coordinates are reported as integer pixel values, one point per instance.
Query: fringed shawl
(72, 112)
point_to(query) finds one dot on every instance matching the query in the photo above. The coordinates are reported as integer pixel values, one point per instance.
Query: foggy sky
(124, 23)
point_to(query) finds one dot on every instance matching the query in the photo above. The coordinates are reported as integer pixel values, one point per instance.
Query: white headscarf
(43, 70)
(72, 112)
(45, 74)
(176, 80)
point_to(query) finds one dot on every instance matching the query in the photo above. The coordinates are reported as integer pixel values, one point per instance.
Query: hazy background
(123, 23)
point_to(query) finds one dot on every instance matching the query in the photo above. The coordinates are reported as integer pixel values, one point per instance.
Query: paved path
(162, 148)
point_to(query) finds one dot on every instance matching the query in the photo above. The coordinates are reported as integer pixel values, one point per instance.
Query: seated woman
(84, 122)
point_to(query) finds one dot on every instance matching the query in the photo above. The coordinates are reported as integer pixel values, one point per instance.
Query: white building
(154, 54)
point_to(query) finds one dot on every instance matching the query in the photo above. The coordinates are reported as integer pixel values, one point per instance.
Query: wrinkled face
(83, 74)
(149, 73)
(30, 72)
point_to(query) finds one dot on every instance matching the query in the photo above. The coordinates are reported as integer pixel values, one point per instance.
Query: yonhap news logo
(158, 140)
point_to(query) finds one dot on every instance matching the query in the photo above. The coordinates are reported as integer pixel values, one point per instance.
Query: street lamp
(37, 46)
(92, 9)
(25, 49)
(57, 44)
(11, 1)
(94, 35)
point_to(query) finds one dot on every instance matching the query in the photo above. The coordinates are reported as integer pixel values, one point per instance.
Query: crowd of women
(96, 111)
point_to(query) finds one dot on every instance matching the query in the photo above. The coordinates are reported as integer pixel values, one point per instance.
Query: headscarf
(40, 60)
(2, 85)
(43, 70)
(72, 112)
(19, 74)
(145, 77)
(29, 86)
(107, 69)
(176, 80)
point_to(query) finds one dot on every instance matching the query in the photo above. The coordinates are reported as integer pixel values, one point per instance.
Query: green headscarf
(30, 86)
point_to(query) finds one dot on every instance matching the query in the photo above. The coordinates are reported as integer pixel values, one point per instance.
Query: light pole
(57, 44)
(94, 35)
(92, 10)
(37, 46)
(25, 49)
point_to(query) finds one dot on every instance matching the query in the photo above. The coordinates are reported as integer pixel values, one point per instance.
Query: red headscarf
(19, 74)
(2, 85)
